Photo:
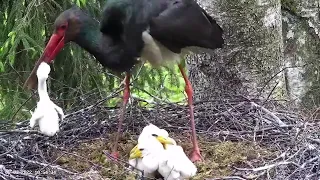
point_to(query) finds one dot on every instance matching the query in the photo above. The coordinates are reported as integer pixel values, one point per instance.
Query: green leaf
(1, 67)
(25, 43)
(11, 33)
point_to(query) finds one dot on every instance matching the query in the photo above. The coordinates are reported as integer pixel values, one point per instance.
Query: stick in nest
(277, 120)
(55, 167)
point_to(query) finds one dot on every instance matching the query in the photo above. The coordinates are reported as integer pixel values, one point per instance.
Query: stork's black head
(66, 28)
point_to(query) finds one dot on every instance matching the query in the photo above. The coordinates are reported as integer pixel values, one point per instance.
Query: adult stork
(154, 30)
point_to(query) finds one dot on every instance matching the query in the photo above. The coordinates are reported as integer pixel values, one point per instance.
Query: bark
(301, 32)
(258, 49)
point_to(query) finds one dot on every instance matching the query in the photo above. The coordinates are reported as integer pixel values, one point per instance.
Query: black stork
(158, 31)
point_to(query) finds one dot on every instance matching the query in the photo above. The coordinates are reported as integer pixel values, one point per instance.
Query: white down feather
(145, 136)
(173, 164)
(47, 114)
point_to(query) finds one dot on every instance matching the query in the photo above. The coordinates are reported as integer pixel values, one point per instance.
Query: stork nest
(240, 138)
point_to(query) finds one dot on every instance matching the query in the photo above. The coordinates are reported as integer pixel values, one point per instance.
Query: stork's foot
(115, 155)
(195, 156)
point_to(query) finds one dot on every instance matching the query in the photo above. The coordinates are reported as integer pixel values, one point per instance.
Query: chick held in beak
(54, 46)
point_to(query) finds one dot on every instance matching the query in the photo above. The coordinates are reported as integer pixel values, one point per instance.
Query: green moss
(289, 5)
(90, 155)
(218, 157)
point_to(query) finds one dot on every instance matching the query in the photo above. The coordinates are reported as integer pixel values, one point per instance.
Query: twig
(228, 177)
(20, 107)
(17, 131)
(275, 75)
(229, 110)
(56, 167)
(6, 173)
(120, 160)
(309, 161)
(96, 104)
(267, 167)
(235, 119)
(153, 96)
(269, 113)
(8, 151)
(314, 140)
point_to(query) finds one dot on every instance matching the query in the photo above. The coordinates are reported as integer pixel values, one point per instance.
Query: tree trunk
(252, 52)
(258, 49)
(301, 34)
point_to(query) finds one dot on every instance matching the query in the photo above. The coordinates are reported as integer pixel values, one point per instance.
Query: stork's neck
(90, 40)
(110, 53)
(42, 89)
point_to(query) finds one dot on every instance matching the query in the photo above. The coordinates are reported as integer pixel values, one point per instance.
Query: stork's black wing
(113, 16)
(125, 20)
(184, 23)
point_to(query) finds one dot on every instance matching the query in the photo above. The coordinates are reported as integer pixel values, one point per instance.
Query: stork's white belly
(158, 55)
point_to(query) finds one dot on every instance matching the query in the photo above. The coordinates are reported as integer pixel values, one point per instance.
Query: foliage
(26, 26)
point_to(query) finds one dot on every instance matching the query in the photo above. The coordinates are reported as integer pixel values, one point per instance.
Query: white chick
(176, 165)
(149, 132)
(47, 113)
(147, 154)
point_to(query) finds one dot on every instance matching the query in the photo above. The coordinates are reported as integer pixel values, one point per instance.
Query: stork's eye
(141, 149)
(154, 135)
(63, 27)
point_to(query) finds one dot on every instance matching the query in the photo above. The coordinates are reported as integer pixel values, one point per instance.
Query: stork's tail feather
(216, 31)
(216, 35)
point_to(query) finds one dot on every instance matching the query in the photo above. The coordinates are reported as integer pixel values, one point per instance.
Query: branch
(112, 95)
(227, 112)
(5, 173)
(277, 120)
(228, 177)
(17, 131)
(309, 161)
(267, 167)
(55, 167)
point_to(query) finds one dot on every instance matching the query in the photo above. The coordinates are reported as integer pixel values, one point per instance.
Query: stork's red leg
(195, 155)
(126, 95)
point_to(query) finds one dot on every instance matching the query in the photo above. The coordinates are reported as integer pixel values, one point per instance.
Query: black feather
(174, 23)
(118, 42)
(125, 20)
(113, 18)
(184, 23)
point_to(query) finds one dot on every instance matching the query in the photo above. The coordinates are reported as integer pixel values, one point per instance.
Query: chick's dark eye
(154, 135)
(141, 149)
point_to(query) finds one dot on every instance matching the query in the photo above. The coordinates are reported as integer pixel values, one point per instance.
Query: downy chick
(47, 114)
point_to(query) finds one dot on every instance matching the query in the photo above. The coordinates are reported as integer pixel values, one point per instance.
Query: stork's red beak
(55, 44)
